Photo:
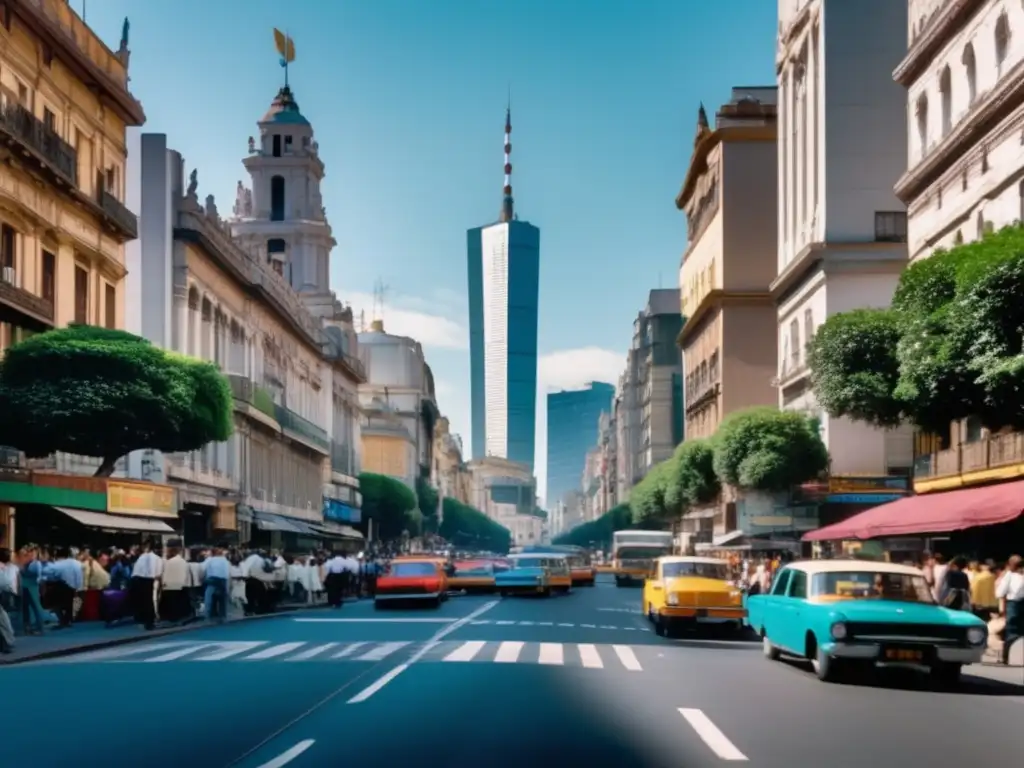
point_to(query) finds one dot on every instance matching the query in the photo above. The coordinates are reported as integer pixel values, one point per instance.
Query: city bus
(634, 553)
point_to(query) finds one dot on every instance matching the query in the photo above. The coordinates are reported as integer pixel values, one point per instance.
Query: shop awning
(107, 522)
(268, 522)
(931, 513)
(336, 531)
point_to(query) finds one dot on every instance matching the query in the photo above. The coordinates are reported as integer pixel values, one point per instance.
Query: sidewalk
(94, 635)
(997, 673)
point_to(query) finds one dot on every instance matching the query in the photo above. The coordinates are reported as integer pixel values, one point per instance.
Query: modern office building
(504, 277)
(572, 431)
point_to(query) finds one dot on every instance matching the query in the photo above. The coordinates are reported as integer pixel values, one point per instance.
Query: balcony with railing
(117, 214)
(244, 390)
(302, 428)
(24, 302)
(39, 144)
(344, 459)
(995, 457)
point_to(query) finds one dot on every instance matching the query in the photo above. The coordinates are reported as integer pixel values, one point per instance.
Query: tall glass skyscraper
(572, 431)
(504, 281)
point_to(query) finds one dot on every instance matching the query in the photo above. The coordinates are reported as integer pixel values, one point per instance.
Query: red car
(412, 580)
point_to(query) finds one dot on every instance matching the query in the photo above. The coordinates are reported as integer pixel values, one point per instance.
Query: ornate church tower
(281, 216)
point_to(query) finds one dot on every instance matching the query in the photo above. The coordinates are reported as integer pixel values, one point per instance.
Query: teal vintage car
(845, 614)
(533, 574)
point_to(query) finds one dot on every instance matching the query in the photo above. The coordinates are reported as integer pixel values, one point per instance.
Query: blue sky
(407, 98)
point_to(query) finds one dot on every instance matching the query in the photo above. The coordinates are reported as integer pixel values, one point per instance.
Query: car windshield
(872, 585)
(639, 553)
(529, 562)
(706, 570)
(412, 569)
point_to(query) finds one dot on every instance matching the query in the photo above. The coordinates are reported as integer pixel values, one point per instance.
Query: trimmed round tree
(105, 393)
(648, 500)
(854, 370)
(387, 502)
(765, 449)
(691, 475)
(467, 526)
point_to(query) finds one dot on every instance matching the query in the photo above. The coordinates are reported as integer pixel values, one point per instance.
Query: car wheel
(825, 667)
(377, 605)
(546, 592)
(659, 627)
(770, 651)
(947, 673)
(436, 603)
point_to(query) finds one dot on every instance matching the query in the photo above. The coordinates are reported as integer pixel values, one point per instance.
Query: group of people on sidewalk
(147, 584)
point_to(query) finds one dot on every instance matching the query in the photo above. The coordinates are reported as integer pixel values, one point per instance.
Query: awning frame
(105, 521)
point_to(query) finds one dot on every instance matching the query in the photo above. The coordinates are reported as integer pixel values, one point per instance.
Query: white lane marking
(628, 658)
(711, 735)
(504, 623)
(525, 623)
(551, 653)
(274, 650)
(478, 623)
(433, 641)
(230, 649)
(180, 653)
(589, 626)
(382, 651)
(367, 692)
(377, 621)
(567, 625)
(508, 652)
(467, 651)
(590, 657)
(348, 650)
(314, 651)
(545, 624)
(286, 757)
(119, 652)
(630, 629)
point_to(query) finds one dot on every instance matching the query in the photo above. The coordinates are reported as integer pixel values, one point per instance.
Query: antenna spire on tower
(286, 50)
(507, 202)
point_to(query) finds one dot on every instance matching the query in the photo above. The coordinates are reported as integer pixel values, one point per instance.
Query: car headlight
(672, 599)
(977, 635)
(838, 631)
(736, 594)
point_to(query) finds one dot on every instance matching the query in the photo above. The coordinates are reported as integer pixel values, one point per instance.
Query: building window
(946, 97)
(979, 225)
(110, 306)
(23, 94)
(971, 71)
(1020, 194)
(49, 276)
(49, 119)
(276, 146)
(1002, 41)
(8, 244)
(922, 123)
(794, 344)
(81, 296)
(287, 145)
(276, 245)
(47, 56)
(890, 226)
(277, 197)
(808, 327)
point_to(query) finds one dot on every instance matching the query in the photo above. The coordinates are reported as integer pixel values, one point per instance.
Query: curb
(115, 642)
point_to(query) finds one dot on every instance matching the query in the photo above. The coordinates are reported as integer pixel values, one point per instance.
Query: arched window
(980, 225)
(276, 245)
(971, 70)
(1002, 41)
(277, 198)
(946, 95)
(922, 124)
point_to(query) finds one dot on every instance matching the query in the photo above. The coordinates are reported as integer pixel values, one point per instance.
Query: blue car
(842, 615)
(528, 574)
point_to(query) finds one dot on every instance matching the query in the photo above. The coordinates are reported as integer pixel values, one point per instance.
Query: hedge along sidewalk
(95, 636)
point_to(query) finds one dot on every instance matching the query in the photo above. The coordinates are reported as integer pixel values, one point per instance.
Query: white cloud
(407, 316)
(575, 368)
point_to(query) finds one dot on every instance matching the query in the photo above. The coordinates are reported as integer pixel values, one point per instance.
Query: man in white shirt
(174, 597)
(8, 590)
(218, 576)
(145, 573)
(1010, 592)
(257, 583)
(334, 582)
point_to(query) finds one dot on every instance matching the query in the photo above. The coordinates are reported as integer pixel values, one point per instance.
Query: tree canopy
(105, 393)
(950, 347)
(691, 477)
(466, 526)
(390, 505)
(599, 532)
(648, 499)
(765, 449)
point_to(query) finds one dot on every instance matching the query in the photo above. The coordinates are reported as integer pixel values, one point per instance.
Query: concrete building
(503, 261)
(399, 406)
(842, 231)
(572, 416)
(607, 442)
(450, 475)
(729, 197)
(506, 492)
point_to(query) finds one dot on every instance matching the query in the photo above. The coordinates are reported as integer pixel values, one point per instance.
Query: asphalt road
(578, 679)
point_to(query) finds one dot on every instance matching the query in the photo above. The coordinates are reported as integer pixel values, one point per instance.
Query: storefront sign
(848, 485)
(146, 499)
(863, 498)
(340, 512)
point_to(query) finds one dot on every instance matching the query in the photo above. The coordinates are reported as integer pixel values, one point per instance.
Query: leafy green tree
(765, 449)
(691, 477)
(541, 513)
(105, 393)
(465, 526)
(598, 532)
(426, 499)
(388, 504)
(648, 499)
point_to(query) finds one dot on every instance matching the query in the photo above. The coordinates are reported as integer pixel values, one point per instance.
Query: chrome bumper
(873, 652)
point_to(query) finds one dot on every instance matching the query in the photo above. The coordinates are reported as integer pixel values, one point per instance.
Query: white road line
(230, 649)
(630, 629)
(590, 657)
(382, 651)
(504, 623)
(605, 626)
(551, 653)
(286, 757)
(412, 620)
(589, 626)
(467, 651)
(274, 650)
(175, 655)
(433, 641)
(711, 735)
(314, 651)
(525, 623)
(508, 652)
(567, 625)
(348, 650)
(479, 623)
(545, 624)
(628, 658)
(118, 653)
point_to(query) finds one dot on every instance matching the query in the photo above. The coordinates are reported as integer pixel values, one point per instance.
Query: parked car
(842, 615)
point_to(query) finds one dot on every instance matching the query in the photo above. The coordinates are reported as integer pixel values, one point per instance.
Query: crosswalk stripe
(467, 651)
(590, 657)
(508, 652)
(314, 651)
(228, 650)
(274, 650)
(382, 651)
(628, 658)
(348, 650)
(178, 654)
(551, 653)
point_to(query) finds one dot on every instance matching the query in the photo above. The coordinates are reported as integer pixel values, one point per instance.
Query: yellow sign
(146, 499)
